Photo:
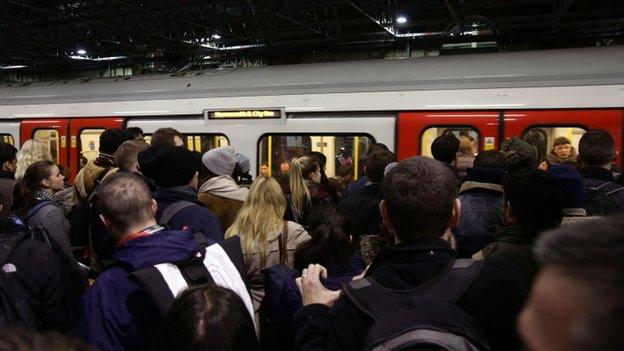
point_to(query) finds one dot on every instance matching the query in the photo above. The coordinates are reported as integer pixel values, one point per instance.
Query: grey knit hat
(243, 162)
(220, 161)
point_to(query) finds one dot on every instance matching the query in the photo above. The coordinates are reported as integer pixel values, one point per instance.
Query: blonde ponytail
(300, 168)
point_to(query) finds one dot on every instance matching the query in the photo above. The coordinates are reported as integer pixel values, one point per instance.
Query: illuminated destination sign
(245, 114)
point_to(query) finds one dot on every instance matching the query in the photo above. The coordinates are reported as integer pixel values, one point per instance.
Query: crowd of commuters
(169, 249)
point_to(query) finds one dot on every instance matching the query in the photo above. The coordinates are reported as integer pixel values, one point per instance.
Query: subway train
(273, 113)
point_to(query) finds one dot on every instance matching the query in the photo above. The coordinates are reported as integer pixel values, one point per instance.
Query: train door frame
(412, 124)
(77, 125)
(518, 122)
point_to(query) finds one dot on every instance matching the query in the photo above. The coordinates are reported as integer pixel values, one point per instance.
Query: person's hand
(312, 291)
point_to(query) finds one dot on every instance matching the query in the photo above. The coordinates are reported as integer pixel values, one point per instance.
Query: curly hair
(31, 152)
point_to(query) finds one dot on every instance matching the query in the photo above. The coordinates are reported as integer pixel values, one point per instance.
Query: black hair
(596, 148)
(534, 198)
(24, 190)
(134, 132)
(376, 148)
(330, 244)
(591, 254)
(490, 158)
(8, 152)
(444, 148)
(539, 139)
(376, 164)
(419, 194)
(207, 317)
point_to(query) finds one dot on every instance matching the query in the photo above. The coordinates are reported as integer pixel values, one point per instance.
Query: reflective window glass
(50, 137)
(543, 138)
(199, 142)
(7, 138)
(89, 145)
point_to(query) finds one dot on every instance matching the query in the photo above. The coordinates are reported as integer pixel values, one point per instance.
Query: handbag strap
(283, 242)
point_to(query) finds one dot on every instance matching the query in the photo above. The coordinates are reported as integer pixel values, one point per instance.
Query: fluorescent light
(81, 52)
(216, 36)
(401, 20)
(35, 115)
(76, 57)
(207, 57)
(12, 66)
(139, 112)
(109, 58)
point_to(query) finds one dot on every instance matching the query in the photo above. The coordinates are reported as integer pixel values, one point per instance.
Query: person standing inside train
(167, 137)
(306, 191)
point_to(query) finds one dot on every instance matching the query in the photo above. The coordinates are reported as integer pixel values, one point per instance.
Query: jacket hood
(517, 234)
(224, 186)
(166, 196)
(160, 247)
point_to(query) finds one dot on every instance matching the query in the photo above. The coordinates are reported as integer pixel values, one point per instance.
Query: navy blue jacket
(362, 210)
(354, 187)
(114, 314)
(196, 218)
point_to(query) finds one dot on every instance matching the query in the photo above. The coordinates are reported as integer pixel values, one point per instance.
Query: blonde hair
(299, 170)
(32, 151)
(260, 216)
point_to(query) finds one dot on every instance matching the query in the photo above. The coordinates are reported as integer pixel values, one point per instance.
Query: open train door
(417, 130)
(85, 139)
(541, 127)
(52, 132)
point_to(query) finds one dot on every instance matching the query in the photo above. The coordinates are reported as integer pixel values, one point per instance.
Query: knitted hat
(110, 140)
(242, 162)
(561, 141)
(220, 161)
(168, 166)
(519, 154)
(7, 152)
(570, 182)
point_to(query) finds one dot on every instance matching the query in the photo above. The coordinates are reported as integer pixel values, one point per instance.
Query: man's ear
(154, 206)
(456, 213)
(385, 217)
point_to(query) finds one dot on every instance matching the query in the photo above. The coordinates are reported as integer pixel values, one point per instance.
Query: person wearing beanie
(8, 164)
(562, 152)
(175, 171)
(481, 198)
(445, 149)
(220, 193)
(96, 170)
(570, 182)
(241, 170)
(519, 154)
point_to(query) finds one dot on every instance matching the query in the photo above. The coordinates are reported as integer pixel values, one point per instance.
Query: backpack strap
(609, 188)
(173, 209)
(283, 243)
(8, 242)
(447, 287)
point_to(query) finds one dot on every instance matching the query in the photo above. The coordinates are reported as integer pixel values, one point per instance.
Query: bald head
(125, 203)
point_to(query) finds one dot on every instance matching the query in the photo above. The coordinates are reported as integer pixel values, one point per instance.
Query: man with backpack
(596, 155)
(415, 293)
(175, 171)
(32, 292)
(152, 265)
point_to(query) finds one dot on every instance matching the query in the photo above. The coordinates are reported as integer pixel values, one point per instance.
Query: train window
(7, 138)
(468, 137)
(543, 138)
(199, 142)
(89, 145)
(342, 151)
(50, 137)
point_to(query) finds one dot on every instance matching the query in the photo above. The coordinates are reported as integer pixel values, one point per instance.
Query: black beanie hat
(168, 166)
(110, 140)
(7, 152)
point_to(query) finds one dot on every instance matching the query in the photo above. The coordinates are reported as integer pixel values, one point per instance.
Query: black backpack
(599, 199)
(421, 318)
(14, 309)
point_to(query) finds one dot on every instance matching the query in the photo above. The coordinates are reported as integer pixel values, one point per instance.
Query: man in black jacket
(419, 208)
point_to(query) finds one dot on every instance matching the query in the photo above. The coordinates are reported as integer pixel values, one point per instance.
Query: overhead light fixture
(81, 52)
(401, 20)
(207, 57)
(216, 36)
(12, 67)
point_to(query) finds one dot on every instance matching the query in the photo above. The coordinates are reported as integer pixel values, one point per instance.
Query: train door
(52, 132)
(85, 139)
(417, 130)
(542, 127)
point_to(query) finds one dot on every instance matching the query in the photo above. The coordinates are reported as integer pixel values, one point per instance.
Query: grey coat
(52, 218)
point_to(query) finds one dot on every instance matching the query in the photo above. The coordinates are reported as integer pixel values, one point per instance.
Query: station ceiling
(44, 35)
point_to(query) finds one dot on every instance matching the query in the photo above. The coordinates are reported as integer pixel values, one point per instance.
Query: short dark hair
(534, 198)
(591, 253)
(134, 132)
(8, 152)
(376, 148)
(419, 194)
(208, 317)
(165, 136)
(17, 339)
(596, 148)
(125, 200)
(490, 158)
(376, 164)
(444, 148)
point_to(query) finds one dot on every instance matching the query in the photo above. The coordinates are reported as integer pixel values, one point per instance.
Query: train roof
(569, 67)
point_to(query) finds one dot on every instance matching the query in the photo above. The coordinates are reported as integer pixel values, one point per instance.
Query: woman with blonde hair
(306, 191)
(266, 239)
(31, 152)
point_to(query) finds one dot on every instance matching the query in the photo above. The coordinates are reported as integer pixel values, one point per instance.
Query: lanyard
(145, 232)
